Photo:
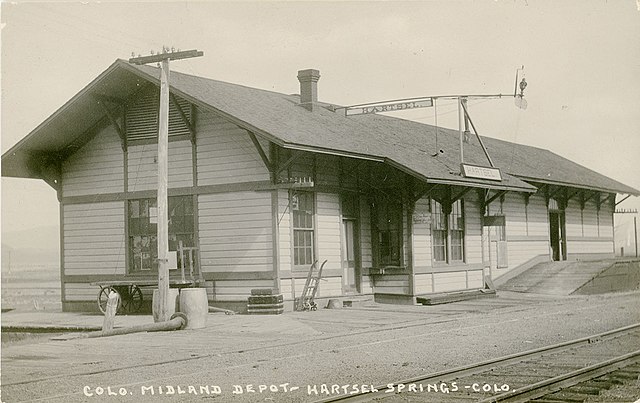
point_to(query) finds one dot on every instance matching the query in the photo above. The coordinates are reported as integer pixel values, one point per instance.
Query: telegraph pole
(163, 170)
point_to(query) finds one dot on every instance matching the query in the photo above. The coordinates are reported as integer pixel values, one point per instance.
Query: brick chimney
(308, 87)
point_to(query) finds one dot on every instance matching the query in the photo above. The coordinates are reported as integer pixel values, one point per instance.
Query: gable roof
(407, 145)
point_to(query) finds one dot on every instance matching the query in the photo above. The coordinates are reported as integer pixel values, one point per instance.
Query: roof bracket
(183, 116)
(623, 199)
(114, 122)
(492, 198)
(263, 155)
(460, 195)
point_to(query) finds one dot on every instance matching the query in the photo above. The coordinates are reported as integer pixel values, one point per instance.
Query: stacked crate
(265, 301)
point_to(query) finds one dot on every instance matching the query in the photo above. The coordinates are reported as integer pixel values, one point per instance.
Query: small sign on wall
(422, 218)
(153, 215)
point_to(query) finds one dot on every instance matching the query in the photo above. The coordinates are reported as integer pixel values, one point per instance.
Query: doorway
(350, 245)
(557, 235)
(494, 243)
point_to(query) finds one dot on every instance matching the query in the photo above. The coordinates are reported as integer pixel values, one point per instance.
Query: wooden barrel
(194, 304)
(173, 304)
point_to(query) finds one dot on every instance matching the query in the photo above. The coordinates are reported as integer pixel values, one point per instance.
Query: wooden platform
(445, 298)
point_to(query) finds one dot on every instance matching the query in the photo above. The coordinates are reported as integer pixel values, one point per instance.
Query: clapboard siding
(80, 292)
(537, 217)
(226, 153)
(94, 238)
(365, 233)
(392, 284)
(328, 230)
(475, 279)
(423, 283)
(234, 290)
(589, 231)
(421, 235)
(452, 281)
(473, 228)
(366, 285)
(520, 252)
(284, 231)
(143, 166)
(235, 232)
(96, 168)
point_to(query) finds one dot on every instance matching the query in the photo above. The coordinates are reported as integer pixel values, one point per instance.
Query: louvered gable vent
(142, 117)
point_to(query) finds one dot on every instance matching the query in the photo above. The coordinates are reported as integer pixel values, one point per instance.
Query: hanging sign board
(388, 107)
(474, 171)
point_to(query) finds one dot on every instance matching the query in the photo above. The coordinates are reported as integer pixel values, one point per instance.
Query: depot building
(263, 184)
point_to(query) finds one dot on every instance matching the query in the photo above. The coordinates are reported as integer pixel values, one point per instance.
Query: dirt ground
(298, 356)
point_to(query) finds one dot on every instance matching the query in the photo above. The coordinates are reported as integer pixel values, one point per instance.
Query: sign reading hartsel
(474, 171)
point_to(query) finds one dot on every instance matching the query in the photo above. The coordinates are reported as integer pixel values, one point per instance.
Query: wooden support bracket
(492, 198)
(184, 117)
(114, 122)
(460, 195)
(263, 155)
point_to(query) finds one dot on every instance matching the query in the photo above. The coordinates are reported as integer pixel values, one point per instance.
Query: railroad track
(569, 371)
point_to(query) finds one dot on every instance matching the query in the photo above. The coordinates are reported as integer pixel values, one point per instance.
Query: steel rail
(567, 380)
(446, 375)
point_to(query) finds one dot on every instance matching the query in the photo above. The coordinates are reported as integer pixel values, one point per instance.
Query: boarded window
(143, 230)
(303, 228)
(142, 117)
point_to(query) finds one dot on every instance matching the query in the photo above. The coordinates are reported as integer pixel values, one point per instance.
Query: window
(143, 229)
(388, 226)
(303, 228)
(447, 232)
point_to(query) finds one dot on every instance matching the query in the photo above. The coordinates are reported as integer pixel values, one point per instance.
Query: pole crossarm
(165, 56)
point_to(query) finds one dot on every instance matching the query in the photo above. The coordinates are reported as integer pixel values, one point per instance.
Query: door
(349, 256)
(494, 244)
(556, 235)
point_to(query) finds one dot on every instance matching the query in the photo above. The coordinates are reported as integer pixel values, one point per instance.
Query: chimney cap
(308, 74)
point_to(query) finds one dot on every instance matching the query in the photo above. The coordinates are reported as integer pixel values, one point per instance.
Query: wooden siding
(235, 232)
(96, 168)
(77, 292)
(453, 281)
(143, 166)
(234, 290)
(424, 283)
(94, 239)
(527, 230)
(328, 230)
(365, 233)
(291, 288)
(284, 232)
(392, 284)
(589, 232)
(226, 153)
(472, 228)
(422, 254)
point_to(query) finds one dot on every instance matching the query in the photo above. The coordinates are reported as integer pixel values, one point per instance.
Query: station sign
(388, 107)
(478, 172)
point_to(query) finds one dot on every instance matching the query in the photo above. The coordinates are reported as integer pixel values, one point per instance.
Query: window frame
(443, 223)
(309, 244)
(188, 230)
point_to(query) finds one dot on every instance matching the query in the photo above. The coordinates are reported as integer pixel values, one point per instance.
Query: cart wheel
(103, 298)
(133, 303)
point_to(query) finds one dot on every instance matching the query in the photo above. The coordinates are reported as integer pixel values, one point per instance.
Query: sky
(581, 58)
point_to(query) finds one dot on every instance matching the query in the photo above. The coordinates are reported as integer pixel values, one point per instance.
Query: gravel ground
(367, 346)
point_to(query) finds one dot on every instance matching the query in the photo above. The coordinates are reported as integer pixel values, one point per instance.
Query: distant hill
(33, 248)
